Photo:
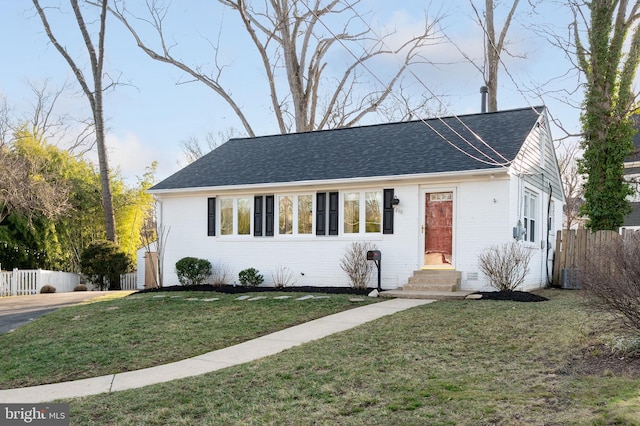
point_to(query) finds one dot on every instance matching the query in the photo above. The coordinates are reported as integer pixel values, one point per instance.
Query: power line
(491, 161)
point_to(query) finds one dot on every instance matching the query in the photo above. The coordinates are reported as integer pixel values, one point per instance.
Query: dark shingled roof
(380, 150)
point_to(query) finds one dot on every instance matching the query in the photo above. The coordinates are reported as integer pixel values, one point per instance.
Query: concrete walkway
(239, 354)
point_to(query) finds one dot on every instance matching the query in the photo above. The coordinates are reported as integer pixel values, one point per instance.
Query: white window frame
(295, 207)
(237, 212)
(362, 211)
(530, 216)
(234, 215)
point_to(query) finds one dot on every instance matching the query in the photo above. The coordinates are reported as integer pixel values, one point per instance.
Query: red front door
(438, 228)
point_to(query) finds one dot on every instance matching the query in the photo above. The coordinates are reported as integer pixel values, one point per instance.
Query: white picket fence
(30, 281)
(129, 281)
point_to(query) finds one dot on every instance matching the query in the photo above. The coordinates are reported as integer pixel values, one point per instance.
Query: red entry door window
(438, 228)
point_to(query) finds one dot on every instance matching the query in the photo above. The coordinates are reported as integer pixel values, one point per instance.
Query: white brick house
(429, 194)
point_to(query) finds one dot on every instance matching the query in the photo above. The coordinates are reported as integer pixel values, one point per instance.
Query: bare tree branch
(293, 40)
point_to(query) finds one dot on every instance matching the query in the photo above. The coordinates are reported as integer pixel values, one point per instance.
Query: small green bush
(250, 277)
(103, 262)
(80, 287)
(48, 289)
(193, 271)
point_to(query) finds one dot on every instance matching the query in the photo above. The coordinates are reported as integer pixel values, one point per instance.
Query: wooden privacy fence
(572, 249)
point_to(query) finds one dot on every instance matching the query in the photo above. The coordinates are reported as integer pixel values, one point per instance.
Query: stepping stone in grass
(191, 299)
(160, 295)
(323, 297)
(210, 299)
(256, 298)
(282, 297)
(305, 297)
(356, 299)
(242, 297)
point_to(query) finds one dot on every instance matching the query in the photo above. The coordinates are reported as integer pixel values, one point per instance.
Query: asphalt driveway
(19, 310)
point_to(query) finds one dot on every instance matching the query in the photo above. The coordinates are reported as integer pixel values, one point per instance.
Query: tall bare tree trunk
(94, 96)
(493, 47)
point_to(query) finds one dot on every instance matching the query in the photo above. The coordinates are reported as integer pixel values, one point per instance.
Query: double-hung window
(530, 209)
(235, 216)
(295, 214)
(362, 212)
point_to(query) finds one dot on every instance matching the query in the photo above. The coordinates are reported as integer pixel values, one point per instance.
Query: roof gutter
(336, 182)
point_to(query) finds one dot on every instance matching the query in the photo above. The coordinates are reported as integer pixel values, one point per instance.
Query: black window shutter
(333, 213)
(321, 213)
(268, 215)
(211, 217)
(387, 212)
(257, 216)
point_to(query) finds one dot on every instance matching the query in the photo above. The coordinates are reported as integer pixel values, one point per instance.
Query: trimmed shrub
(355, 264)
(192, 271)
(103, 262)
(250, 277)
(48, 289)
(80, 287)
(506, 266)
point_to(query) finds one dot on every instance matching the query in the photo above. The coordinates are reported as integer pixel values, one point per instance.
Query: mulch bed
(513, 296)
(230, 289)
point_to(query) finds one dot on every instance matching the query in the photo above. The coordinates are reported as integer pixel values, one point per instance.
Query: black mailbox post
(376, 256)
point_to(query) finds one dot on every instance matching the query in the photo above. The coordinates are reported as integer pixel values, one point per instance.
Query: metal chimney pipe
(484, 90)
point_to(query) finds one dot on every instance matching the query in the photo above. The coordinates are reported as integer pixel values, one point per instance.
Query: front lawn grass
(446, 363)
(144, 330)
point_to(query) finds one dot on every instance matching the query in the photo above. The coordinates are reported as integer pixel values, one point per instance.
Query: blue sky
(148, 117)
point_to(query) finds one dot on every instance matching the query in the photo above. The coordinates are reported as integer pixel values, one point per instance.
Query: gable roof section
(393, 149)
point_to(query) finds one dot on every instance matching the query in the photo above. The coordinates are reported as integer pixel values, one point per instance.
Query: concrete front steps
(437, 284)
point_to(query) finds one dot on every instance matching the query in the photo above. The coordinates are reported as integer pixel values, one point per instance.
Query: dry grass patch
(122, 334)
(457, 363)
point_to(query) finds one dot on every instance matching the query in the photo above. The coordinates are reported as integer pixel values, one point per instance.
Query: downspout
(548, 232)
